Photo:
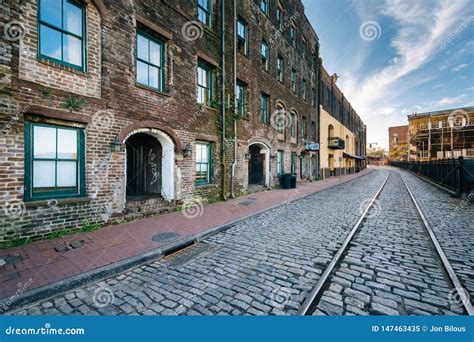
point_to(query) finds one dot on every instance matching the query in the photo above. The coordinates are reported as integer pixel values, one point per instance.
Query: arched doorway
(256, 166)
(259, 164)
(150, 165)
(144, 154)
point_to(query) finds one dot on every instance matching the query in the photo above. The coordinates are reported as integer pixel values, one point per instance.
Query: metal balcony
(336, 143)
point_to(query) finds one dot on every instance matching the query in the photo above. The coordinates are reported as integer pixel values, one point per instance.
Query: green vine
(45, 93)
(74, 104)
(5, 90)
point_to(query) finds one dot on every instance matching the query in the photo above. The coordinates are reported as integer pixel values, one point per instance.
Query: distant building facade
(398, 143)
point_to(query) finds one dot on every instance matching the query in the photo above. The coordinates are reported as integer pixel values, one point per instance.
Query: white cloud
(422, 28)
(459, 67)
(450, 100)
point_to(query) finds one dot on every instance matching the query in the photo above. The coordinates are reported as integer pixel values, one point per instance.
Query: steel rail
(315, 292)
(462, 292)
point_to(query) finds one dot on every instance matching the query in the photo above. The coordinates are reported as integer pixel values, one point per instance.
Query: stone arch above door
(125, 132)
(168, 169)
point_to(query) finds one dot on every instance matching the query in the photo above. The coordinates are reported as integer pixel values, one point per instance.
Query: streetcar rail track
(447, 265)
(312, 298)
(316, 291)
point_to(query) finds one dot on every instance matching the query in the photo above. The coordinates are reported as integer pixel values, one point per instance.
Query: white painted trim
(168, 173)
(266, 151)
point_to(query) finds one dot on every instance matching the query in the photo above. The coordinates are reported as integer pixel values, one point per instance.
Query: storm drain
(186, 255)
(11, 259)
(248, 202)
(165, 237)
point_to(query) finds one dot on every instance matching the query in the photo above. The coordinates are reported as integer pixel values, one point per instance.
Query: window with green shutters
(264, 6)
(293, 80)
(294, 159)
(280, 120)
(62, 32)
(54, 162)
(293, 125)
(204, 84)
(264, 105)
(242, 36)
(279, 16)
(281, 68)
(204, 12)
(293, 34)
(279, 163)
(265, 56)
(240, 98)
(150, 62)
(203, 162)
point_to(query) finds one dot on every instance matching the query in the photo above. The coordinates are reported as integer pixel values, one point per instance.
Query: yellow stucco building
(342, 132)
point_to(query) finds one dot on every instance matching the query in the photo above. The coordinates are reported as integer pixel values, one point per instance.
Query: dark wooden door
(144, 154)
(256, 162)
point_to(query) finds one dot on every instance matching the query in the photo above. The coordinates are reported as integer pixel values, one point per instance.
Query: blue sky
(397, 57)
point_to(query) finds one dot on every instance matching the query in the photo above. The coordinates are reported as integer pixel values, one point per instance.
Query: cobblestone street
(268, 264)
(391, 267)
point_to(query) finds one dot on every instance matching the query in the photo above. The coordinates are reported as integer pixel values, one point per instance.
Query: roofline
(439, 112)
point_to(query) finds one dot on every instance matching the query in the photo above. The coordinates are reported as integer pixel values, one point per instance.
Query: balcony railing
(336, 143)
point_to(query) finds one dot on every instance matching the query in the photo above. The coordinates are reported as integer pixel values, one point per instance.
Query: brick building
(113, 110)
(398, 145)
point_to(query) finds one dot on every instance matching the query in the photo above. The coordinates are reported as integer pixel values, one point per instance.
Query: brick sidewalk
(113, 244)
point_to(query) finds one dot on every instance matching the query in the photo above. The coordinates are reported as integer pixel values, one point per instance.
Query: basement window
(54, 161)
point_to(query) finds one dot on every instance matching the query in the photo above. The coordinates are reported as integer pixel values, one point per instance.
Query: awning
(348, 155)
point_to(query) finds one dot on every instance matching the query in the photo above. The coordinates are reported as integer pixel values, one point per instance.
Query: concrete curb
(47, 291)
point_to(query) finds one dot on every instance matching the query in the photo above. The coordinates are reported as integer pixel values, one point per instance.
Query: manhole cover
(165, 237)
(190, 253)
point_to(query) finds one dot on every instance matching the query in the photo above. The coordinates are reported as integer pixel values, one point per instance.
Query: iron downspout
(223, 105)
(234, 162)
